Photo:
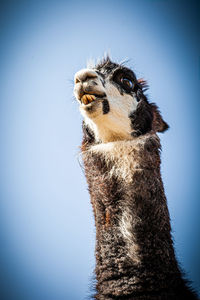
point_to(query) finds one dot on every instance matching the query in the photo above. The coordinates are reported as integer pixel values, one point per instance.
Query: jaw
(91, 110)
(111, 132)
(108, 127)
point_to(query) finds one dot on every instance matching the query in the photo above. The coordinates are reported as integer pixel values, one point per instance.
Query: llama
(135, 257)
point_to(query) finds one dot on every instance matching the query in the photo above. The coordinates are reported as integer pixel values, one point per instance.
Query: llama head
(113, 103)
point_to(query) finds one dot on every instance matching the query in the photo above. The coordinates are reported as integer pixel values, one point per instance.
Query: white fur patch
(123, 154)
(126, 225)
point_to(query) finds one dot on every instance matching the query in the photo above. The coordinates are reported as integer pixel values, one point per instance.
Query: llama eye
(127, 82)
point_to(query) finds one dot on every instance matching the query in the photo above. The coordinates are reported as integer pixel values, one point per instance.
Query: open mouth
(89, 98)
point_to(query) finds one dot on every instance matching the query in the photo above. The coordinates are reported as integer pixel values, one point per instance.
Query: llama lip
(89, 98)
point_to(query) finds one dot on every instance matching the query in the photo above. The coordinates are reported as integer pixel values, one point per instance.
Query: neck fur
(134, 249)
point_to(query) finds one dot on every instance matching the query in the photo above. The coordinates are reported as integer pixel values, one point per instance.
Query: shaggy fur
(134, 250)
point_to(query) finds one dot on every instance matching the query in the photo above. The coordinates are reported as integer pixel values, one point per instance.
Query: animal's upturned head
(113, 103)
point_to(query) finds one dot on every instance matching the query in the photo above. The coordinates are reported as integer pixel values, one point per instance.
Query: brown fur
(139, 263)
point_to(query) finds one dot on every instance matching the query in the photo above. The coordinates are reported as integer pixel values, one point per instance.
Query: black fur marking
(106, 67)
(141, 119)
(101, 74)
(123, 72)
(102, 77)
(103, 82)
(106, 106)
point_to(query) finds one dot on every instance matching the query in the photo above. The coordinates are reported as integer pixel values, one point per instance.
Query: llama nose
(84, 75)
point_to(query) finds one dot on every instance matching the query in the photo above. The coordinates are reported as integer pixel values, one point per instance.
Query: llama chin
(135, 256)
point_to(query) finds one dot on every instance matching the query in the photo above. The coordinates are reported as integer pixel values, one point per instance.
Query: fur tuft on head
(103, 61)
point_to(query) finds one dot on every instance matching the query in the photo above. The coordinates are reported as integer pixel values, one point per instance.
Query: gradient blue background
(47, 230)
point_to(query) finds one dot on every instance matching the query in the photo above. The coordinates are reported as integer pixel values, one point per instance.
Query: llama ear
(158, 124)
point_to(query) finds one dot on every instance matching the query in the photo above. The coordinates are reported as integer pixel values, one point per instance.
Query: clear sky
(47, 233)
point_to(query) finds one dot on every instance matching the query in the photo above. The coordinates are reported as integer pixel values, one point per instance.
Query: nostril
(77, 80)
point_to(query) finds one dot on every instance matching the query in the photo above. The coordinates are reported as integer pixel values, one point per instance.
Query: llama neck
(134, 249)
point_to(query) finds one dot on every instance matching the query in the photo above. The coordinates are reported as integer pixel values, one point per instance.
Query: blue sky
(47, 230)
